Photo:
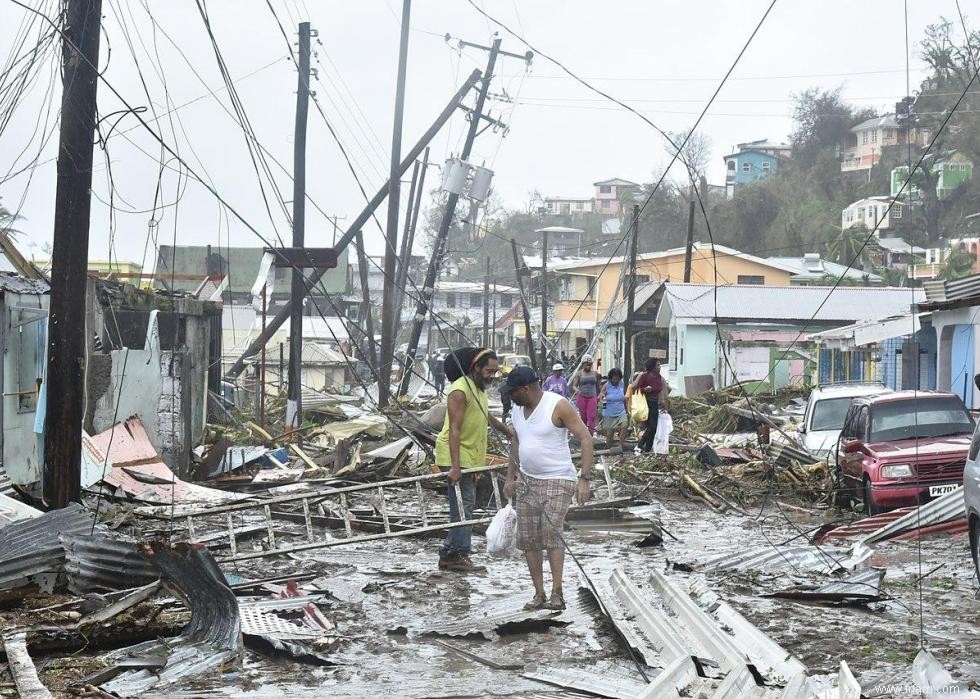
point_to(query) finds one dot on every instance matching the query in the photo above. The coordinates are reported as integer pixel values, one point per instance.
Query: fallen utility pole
(67, 336)
(389, 316)
(689, 248)
(432, 273)
(283, 315)
(544, 301)
(294, 391)
(631, 296)
(519, 268)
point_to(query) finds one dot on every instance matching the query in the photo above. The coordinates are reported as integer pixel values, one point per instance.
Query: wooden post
(630, 293)
(67, 335)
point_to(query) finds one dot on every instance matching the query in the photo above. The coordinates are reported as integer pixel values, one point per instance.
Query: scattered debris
(859, 588)
(498, 623)
(21, 666)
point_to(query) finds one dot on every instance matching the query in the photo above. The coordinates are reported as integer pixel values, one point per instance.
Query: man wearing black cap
(542, 476)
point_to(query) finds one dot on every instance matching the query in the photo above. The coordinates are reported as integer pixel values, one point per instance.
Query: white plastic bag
(502, 532)
(665, 425)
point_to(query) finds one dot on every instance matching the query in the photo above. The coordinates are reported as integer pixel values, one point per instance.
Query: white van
(825, 411)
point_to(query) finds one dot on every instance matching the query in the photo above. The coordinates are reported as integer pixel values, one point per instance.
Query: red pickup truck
(902, 449)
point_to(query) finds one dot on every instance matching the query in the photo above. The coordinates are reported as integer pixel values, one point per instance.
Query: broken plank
(304, 457)
(260, 433)
(22, 667)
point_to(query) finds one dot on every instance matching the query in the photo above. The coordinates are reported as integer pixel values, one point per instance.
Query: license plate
(937, 490)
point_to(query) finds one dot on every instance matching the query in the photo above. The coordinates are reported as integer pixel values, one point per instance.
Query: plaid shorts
(541, 505)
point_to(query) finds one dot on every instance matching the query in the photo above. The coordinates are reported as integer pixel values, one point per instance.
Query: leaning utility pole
(294, 394)
(367, 322)
(389, 315)
(432, 272)
(366, 213)
(689, 249)
(519, 268)
(409, 236)
(67, 336)
(631, 296)
(486, 306)
(544, 301)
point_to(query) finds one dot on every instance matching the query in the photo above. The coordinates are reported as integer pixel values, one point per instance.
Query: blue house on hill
(753, 161)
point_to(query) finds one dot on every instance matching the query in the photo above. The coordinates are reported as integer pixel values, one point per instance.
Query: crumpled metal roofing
(603, 685)
(486, 626)
(863, 585)
(104, 564)
(213, 635)
(887, 525)
(824, 559)
(30, 548)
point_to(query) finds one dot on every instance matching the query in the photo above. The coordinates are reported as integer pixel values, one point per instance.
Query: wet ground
(384, 594)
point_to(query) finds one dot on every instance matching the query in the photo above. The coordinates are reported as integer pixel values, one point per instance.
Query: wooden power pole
(389, 315)
(519, 269)
(630, 291)
(294, 395)
(544, 301)
(69, 264)
(689, 249)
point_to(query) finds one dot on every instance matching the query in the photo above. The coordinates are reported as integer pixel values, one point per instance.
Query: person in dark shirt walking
(650, 385)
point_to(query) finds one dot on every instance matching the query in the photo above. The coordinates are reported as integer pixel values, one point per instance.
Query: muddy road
(383, 595)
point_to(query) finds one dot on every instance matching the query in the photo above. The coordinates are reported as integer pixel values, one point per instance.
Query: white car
(825, 411)
(971, 491)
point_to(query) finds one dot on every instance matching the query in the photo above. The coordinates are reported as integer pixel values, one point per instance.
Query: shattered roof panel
(32, 547)
(16, 284)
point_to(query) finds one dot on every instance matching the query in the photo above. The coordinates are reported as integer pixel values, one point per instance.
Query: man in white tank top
(543, 478)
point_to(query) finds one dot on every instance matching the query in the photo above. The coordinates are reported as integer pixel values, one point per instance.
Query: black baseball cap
(520, 377)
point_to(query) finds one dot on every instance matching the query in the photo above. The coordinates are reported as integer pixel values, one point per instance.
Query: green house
(953, 171)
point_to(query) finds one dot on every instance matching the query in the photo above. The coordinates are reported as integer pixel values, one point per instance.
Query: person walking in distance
(542, 480)
(462, 445)
(585, 389)
(649, 385)
(556, 382)
(612, 398)
(437, 370)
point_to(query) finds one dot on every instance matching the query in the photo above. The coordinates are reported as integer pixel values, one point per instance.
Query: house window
(864, 138)
(861, 213)
(765, 167)
(605, 189)
(451, 300)
(896, 211)
(637, 280)
(731, 165)
(476, 300)
(874, 135)
(746, 167)
(755, 279)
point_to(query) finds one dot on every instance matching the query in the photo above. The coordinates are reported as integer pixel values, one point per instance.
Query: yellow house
(587, 289)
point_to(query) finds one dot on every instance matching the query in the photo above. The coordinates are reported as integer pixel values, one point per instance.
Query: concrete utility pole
(409, 237)
(544, 301)
(519, 268)
(486, 306)
(432, 272)
(389, 314)
(631, 297)
(284, 313)
(294, 394)
(367, 322)
(67, 335)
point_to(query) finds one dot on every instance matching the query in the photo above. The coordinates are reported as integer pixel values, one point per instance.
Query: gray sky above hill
(663, 58)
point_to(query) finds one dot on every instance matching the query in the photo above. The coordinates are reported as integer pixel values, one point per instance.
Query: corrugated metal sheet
(824, 559)
(639, 622)
(486, 626)
(11, 282)
(864, 585)
(103, 564)
(943, 509)
(213, 636)
(604, 685)
(31, 548)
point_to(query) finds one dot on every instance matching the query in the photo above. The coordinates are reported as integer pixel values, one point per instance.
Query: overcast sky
(665, 58)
